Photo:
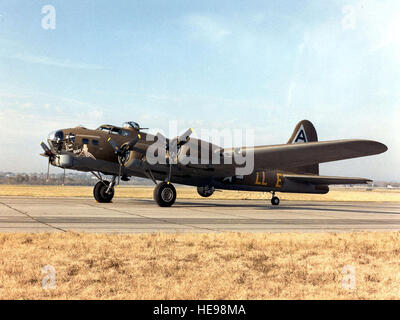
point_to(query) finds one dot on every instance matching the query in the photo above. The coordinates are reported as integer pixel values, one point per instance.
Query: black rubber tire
(164, 194)
(200, 191)
(95, 190)
(275, 201)
(100, 194)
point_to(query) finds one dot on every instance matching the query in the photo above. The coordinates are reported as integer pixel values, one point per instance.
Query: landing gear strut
(164, 194)
(275, 200)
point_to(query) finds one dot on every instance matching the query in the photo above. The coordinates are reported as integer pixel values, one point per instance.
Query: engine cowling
(205, 191)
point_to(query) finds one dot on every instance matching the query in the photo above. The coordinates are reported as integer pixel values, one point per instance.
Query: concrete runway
(22, 214)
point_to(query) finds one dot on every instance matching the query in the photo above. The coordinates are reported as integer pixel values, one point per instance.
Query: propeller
(122, 152)
(47, 150)
(47, 153)
(173, 147)
(183, 138)
(176, 143)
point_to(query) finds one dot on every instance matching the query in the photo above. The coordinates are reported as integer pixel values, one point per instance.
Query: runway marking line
(156, 219)
(33, 218)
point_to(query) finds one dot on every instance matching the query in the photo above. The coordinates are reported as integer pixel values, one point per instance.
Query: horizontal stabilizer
(325, 180)
(296, 155)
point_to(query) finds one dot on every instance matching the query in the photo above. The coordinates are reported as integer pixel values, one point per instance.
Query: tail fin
(304, 132)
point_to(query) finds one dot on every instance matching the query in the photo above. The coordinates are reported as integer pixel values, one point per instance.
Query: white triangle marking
(300, 136)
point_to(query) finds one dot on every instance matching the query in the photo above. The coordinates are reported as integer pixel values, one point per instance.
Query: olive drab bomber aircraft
(122, 152)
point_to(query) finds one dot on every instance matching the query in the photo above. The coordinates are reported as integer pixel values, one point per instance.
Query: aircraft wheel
(206, 191)
(275, 201)
(164, 194)
(100, 193)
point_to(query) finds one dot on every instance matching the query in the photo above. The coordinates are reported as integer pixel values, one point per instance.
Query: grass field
(201, 266)
(340, 194)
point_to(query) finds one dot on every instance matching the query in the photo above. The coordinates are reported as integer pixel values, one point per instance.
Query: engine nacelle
(205, 191)
(64, 161)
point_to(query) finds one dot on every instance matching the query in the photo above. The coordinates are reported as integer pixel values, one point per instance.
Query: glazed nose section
(55, 138)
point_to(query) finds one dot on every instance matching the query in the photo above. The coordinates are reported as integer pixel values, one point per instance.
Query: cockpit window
(70, 137)
(104, 128)
(116, 131)
(110, 129)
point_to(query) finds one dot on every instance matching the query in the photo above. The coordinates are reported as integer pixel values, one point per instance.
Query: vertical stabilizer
(304, 132)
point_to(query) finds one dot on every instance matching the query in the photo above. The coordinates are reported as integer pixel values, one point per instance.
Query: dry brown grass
(349, 194)
(200, 266)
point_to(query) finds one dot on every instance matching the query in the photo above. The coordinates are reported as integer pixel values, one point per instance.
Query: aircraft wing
(285, 157)
(296, 155)
(289, 156)
(325, 180)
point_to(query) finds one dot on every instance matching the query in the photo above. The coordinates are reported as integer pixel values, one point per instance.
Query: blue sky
(215, 64)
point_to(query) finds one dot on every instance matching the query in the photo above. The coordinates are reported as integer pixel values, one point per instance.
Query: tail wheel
(275, 201)
(164, 194)
(100, 192)
(206, 191)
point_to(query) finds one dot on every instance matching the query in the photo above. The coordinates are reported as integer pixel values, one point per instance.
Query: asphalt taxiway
(22, 214)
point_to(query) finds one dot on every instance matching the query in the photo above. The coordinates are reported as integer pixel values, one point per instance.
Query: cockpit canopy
(131, 125)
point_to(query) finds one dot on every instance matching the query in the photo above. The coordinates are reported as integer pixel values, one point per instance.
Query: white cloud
(291, 90)
(48, 61)
(207, 27)
(369, 23)
(26, 119)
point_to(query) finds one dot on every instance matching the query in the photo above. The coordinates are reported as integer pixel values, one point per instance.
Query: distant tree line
(42, 180)
(83, 179)
(57, 179)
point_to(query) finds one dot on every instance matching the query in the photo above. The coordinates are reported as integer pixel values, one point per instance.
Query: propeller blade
(183, 138)
(119, 173)
(114, 145)
(174, 144)
(46, 149)
(132, 143)
(169, 173)
(48, 171)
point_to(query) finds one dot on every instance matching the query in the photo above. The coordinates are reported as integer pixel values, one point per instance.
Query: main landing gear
(103, 191)
(164, 194)
(275, 200)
